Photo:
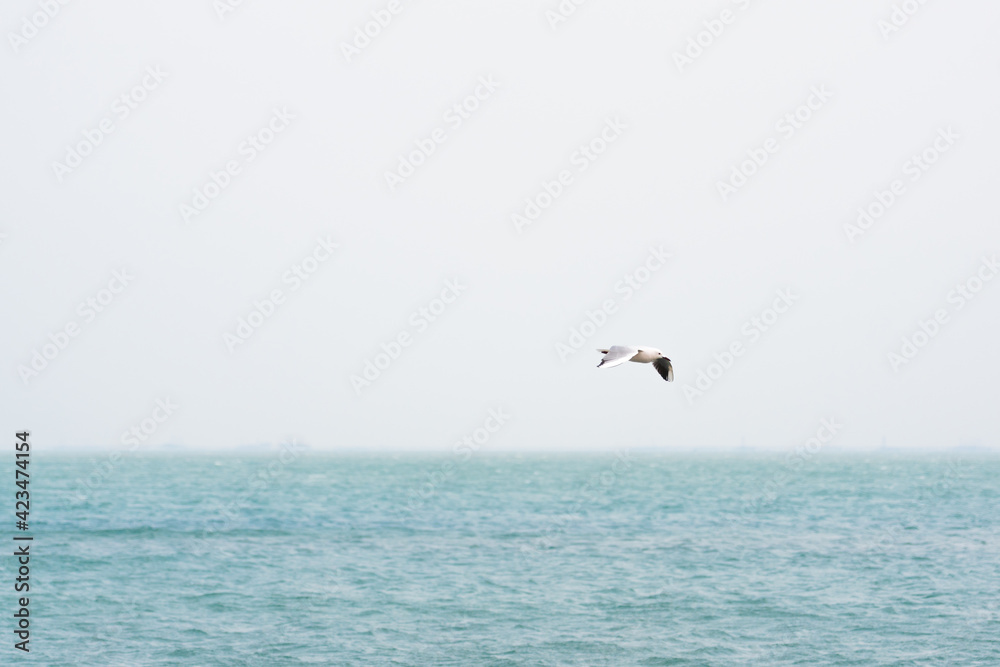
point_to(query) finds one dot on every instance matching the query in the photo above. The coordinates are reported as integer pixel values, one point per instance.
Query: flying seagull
(619, 354)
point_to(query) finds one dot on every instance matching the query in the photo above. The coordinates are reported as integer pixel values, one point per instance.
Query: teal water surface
(617, 559)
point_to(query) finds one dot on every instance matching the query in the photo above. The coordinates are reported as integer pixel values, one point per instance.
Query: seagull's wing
(664, 368)
(618, 354)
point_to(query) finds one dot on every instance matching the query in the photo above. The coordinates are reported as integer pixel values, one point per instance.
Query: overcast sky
(215, 220)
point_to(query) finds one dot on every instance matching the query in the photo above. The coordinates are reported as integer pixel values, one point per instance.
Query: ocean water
(617, 559)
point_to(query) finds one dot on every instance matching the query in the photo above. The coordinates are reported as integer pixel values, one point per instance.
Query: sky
(398, 226)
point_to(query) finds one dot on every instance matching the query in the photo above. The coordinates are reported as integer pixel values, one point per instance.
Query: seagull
(619, 354)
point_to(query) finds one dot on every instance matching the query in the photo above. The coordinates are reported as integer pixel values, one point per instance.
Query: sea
(618, 558)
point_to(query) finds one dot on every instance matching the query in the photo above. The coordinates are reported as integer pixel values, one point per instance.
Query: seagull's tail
(602, 351)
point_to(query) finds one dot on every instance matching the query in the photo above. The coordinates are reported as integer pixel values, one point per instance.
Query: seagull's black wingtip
(664, 368)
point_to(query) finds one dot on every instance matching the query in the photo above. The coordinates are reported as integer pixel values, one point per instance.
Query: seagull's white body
(619, 354)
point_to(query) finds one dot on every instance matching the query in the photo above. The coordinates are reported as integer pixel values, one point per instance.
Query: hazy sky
(173, 169)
